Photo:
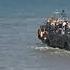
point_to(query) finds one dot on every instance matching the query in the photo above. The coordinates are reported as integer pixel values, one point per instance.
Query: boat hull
(60, 41)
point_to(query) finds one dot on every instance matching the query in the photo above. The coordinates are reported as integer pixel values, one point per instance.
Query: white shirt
(64, 23)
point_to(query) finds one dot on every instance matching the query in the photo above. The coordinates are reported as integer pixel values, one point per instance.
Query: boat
(55, 31)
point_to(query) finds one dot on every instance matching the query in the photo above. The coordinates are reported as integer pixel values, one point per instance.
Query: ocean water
(20, 48)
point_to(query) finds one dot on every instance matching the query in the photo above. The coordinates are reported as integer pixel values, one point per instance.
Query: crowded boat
(55, 29)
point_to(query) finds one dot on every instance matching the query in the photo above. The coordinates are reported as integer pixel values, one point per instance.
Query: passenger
(53, 22)
(48, 22)
(56, 27)
(60, 27)
(66, 26)
(39, 34)
(45, 34)
(64, 23)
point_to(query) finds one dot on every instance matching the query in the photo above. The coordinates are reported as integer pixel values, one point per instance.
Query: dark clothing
(60, 25)
(66, 27)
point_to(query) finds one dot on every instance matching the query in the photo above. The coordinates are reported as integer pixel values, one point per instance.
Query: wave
(51, 51)
(46, 48)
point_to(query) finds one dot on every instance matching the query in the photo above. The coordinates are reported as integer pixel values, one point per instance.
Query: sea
(20, 49)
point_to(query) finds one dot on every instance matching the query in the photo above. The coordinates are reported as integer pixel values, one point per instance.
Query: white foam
(45, 48)
(51, 50)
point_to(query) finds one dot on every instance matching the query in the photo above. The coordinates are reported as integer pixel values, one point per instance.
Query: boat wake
(51, 51)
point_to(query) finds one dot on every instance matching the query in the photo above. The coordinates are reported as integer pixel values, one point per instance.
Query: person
(56, 27)
(64, 23)
(60, 27)
(66, 27)
(39, 34)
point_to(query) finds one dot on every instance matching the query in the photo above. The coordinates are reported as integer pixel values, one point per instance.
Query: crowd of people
(54, 25)
(59, 25)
